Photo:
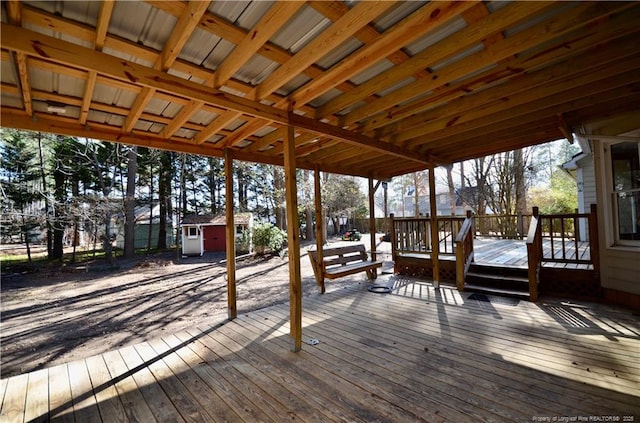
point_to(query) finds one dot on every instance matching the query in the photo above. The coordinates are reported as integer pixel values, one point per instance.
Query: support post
(435, 239)
(232, 310)
(319, 224)
(372, 220)
(293, 238)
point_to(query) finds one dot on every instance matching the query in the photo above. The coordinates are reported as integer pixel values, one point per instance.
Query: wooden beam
(446, 48)
(435, 237)
(14, 12)
(232, 309)
(178, 38)
(355, 139)
(293, 238)
(357, 17)
(269, 24)
(409, 116)
(319, 223)
(533, 103)
(428, 18)
(372, 220)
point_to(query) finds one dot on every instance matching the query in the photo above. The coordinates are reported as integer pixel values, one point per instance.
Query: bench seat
(342, 261)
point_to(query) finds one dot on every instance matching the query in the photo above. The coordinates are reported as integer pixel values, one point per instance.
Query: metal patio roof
(374, 89)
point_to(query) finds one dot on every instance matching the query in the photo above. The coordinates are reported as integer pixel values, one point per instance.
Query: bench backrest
(341, 255)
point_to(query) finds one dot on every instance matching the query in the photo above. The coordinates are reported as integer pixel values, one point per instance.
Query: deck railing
(569, 238)
(413, 234)
(503, 226)
(561, 238)
(464, 250)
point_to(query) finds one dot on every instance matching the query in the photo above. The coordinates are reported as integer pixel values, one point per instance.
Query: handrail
(534, 254)
(464, 250)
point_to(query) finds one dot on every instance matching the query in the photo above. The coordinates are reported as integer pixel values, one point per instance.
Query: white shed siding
(191, 246)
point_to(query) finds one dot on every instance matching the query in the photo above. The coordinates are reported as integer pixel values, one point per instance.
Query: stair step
(497, 291)
(488, 276)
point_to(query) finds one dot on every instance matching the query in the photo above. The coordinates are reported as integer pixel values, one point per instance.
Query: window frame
(611, 198)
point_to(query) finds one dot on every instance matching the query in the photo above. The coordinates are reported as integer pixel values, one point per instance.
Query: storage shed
(206, 233)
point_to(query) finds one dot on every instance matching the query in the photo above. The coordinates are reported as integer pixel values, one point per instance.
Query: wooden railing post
(464, 250)
(392, 234)
(594, 242)
(534, 253)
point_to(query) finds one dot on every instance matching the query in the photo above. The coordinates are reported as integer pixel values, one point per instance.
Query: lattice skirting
(423, 268)
(572, 283)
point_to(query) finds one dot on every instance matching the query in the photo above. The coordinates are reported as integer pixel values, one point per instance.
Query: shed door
(214, 238)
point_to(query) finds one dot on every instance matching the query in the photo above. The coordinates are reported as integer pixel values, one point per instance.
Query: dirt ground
(61, 316)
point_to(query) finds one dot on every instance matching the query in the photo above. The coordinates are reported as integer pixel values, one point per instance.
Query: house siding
(620, 266)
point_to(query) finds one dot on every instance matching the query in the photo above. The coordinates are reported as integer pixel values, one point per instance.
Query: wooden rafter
(179, 36)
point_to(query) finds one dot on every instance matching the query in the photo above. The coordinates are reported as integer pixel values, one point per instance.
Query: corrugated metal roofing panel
(187, 134)
(7, 73)
(256, 70)
(202, 117)
(457, 57)
(172, 110)
(144, 125)
(97, 116)
(217, 53)
(265, 131)
(396, 86)
(339, 53)
(156, 29)
(125, 19)
(301, 29)
(371, 72)
(252, 14)
(42, 79)
(156, 106)
(11, 100)
(433, 37)
(71, 86)
(230, 10)
(293, 85)
(200, 46)
(398, 13)
(109, 95)
(319, 101)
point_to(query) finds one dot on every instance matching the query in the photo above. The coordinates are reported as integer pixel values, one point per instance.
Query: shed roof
(216, 220)
(374, 89)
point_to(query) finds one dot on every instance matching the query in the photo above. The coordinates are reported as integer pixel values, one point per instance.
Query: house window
(192, 232)
(625, 191)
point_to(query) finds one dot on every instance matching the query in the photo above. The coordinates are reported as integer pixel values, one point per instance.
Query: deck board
(417, 354)
(37, 403)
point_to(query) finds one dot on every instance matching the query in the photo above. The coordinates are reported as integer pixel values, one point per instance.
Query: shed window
(625, 191)
(192, 232)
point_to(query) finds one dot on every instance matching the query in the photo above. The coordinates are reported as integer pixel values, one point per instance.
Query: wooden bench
(342, 261)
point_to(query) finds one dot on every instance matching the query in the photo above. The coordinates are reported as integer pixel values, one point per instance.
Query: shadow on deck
(417, 354)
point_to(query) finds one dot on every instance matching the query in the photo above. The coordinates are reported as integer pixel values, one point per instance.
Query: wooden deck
(513, 253)
(417, 354)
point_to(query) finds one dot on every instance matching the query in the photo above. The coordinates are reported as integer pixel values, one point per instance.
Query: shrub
(267, 237)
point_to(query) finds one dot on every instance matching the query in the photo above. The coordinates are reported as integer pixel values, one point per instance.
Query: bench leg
(372, 273)
(320, 282)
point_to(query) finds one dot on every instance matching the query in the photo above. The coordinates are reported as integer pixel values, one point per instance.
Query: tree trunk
(452, 190)
(164, 197)
(130, 204)
(45, 194)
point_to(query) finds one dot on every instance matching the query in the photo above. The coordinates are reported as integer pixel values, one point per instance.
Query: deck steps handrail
(464, 249)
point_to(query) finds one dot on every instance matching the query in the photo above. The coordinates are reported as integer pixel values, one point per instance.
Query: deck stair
(497, 280)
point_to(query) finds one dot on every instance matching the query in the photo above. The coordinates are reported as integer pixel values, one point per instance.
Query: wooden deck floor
(417, 354)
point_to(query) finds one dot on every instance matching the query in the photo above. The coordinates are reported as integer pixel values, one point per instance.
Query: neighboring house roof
(217, 220)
